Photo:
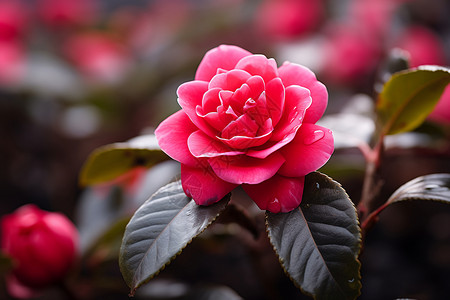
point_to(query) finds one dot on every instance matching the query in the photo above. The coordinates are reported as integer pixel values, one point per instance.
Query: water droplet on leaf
(317, 185)
(314, 137)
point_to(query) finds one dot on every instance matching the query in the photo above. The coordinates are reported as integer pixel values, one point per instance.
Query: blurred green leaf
(319, 242)
(433, 187)
(159, 230)
(107, 245)
(409, 97)
(108, 162)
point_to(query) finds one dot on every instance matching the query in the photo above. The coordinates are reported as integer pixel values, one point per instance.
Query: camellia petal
(223, 57)
(294, 74)
(275, 93)
(229, 81)
(202, 145)
(202, 184)
(243, 169)
(277, 194)
(297, 101)
(309, 150)
(259, 65)
(190, 95)
(172, 135)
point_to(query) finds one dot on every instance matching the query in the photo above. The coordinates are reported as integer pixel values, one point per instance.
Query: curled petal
(297, 102)
(201, 184)
(202, 145)
(190, 95)
(294, 74)
(259, 65)
(223, 57)
(277, 194)
(172, 135)
(229, 81)
(308, 151)
(243, 169)
(275, 95)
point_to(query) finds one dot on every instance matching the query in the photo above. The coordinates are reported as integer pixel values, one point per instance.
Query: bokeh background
(76, 75)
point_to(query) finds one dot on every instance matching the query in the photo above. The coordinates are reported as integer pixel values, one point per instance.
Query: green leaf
(108, 162)
(434, 187)
(409, 97)
(159, 230)
(107, 245)
(319, 242)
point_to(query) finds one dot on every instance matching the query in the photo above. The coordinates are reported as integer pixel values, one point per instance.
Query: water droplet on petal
(314, 137)
(274, 206)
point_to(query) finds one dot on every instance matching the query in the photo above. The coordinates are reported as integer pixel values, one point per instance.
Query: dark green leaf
(6, 263)
(409, 97)
(318, 243)
(108, 162)
(159, 230)
(434, 187)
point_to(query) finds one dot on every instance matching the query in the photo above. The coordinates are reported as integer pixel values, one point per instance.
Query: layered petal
(190, 95)
(293, 74)
(308, 151)
(297, 101)
(243, 169)
(202, 145)
(224, 57)
(172, 135)
(201, 184)
(277, 194)
(259, 65)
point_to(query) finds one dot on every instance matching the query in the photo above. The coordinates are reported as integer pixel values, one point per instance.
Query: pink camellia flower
(288, 19)
(98, 56)
(67, 13)
(350, 54)
(43, 246)
(13, 20)
(423, 46)
(246, 122)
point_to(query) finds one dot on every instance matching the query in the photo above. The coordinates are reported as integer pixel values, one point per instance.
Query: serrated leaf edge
(281, 260)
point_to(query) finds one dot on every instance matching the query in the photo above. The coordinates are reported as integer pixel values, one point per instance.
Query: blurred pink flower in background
(374, 16)
(12, 62)
(288, 19)
(441, 112)
(43, 246)
(13, 20)
(67, 13)
(423, 46)
(350, 53)
(100, 57)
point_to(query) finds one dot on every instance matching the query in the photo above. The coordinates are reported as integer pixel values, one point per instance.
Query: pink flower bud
(43, 246)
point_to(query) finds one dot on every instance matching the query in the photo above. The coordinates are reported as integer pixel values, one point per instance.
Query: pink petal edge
(277, 194)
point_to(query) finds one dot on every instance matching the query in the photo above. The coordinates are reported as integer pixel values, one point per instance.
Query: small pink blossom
(98, 56)
(43, 246)
(288, 19)
(350, 53)
(423, 46)
(67, 13)
(245, 121)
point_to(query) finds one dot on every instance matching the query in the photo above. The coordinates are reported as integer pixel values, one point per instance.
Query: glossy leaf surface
(434, 187)
(108, 162)
(319, 242)
(408, 97)
(159, 230)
